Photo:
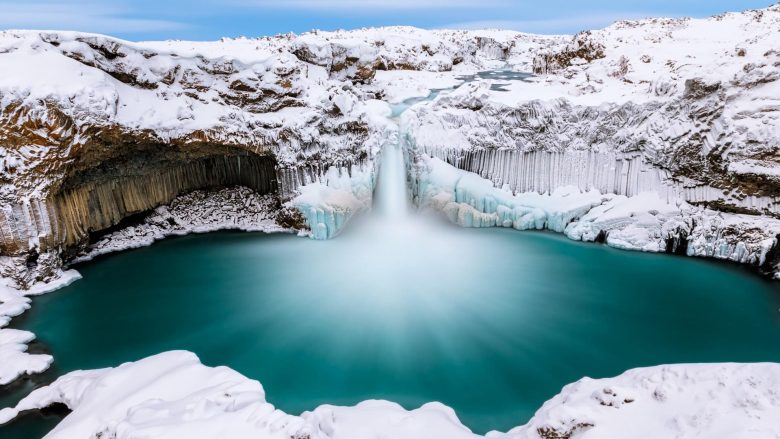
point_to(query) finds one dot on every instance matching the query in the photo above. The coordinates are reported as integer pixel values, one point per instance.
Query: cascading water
(391, 197)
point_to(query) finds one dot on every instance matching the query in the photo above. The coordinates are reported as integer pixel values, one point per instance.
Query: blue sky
(211, 19)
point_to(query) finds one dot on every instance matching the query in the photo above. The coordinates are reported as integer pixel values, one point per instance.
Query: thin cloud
(88, 17)
(549, 26)
(374, 4)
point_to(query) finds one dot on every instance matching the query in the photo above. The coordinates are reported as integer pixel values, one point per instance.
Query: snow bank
(679, 401)
(168, 395)
(14, 359)
(172, 395)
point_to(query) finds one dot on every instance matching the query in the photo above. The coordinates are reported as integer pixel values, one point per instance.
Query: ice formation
(328, 203)
(644, 221)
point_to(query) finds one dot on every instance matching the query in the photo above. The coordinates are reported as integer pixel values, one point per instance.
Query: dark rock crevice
(116, 193)
(99, 198)
(677, 243)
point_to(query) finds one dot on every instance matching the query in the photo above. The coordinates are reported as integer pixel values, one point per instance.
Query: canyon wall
(101, 129)
(654, 106)
(95, 130)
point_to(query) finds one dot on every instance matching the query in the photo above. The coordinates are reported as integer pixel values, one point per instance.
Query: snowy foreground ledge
(172, 395)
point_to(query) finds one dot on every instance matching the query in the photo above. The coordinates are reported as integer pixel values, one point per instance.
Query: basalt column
(99, 197)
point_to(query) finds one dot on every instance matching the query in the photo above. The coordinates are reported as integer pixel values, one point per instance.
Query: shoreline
(172, 391)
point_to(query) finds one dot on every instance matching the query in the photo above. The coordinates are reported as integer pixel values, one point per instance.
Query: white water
(394, 238)
(390, 197)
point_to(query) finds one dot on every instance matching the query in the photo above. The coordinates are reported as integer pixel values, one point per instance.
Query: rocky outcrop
(100, 203)
(582, 48)
(200, 211)
(687, 149)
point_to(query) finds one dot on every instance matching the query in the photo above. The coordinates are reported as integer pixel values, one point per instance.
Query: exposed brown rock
(552, 433)
(582, 46)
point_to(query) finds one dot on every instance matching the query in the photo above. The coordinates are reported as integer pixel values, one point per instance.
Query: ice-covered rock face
(643, 221)
(702, 113)
(688, 110)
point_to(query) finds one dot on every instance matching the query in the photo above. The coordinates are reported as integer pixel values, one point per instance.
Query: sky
(212, 19)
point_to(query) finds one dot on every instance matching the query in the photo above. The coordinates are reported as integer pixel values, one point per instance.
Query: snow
(384, 419)
(14, 359)
(642, 222)
(65, 73)
(173, 395)
(170, 392)
(726, 400)
(659, 50)
(400, 85)
(757, 167)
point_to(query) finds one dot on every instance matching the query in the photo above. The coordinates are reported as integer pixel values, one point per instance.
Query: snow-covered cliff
(95, 129)
(687, 110)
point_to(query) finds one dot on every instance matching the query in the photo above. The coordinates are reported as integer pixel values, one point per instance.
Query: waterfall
(390, 197)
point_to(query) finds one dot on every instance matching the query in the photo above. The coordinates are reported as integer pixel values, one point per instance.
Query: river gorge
(398, 233)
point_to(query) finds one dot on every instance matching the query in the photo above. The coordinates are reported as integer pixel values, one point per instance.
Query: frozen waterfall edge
(644, 221)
